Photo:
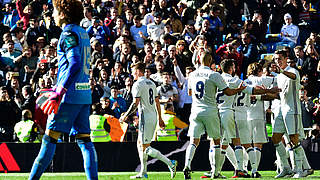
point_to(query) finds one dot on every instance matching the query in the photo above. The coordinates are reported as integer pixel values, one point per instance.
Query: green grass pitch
(126, 175)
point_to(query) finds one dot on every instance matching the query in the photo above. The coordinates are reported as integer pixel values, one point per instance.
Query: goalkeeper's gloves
(49, 102)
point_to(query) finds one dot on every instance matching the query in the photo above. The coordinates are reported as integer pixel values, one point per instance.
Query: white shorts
(259, 131)
(201, 124)
(228, 123)
(289, 123)
(245, 131)
(147, 127)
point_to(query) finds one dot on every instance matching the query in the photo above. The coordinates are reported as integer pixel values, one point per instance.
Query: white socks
(281, 151)
(143, 159)
(253, 159)
(214, 158)
(258, 156)
(221, 160)
(191, 149)
(231, 156)
(157, 154)
(238, 151)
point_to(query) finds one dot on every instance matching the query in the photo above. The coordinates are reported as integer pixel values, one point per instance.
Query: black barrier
(115, 157)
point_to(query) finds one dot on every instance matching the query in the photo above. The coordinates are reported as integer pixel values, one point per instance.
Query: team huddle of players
(232, 111)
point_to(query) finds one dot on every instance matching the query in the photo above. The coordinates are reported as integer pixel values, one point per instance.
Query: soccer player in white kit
(256, 116)
(227, 106)
(203, 84)
(146, 100)
(287, 119)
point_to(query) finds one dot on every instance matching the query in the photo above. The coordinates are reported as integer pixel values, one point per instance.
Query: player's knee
(151, 151)
(276, 138)
(246, 146)
(294, 139)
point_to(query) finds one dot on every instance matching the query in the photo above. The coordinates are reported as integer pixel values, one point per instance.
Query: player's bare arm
(132, 109)
(161, 123)
(270, 96)
(230, 92)
(273, 90)
(289, 75)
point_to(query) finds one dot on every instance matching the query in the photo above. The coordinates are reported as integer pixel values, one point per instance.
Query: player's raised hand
(51, 100)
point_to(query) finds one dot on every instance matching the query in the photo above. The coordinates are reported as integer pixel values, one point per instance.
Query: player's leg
(278, 131)
(292, 123)
(142, 156)
(214, 133)
(55, 125)
(45, 155)
(146, 136)
(196, 129)
(82, 129)
(90, 159)
(259, 138)
(244, 128)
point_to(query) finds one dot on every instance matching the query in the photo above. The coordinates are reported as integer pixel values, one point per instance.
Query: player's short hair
(226, 64)
(206, 58)
(139, 66)
(72, 9)
(254, 69)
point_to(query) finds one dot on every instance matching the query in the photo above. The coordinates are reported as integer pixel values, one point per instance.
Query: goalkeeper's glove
(49, 102)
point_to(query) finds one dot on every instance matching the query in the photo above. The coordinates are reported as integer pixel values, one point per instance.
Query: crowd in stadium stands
(166, 35)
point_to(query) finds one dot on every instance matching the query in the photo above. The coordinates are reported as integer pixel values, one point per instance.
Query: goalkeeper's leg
(90, 159)
(45, 155)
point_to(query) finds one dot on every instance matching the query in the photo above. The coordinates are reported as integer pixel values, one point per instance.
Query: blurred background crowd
(168, 36)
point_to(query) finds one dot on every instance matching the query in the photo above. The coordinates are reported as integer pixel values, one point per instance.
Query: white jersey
(224, 101)
(204, 83)
(146, 90)
(256, 109)
(289, 95)
(241, 104)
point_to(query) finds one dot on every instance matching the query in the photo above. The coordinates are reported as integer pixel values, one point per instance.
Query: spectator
(24, 13)
(104, 83)
(29, 101)
(9, 58)
(118, 75)
(167, 92)
(156, 29)
(126, 92)
(138, 32)
(117, 103)
(289, 32)
(9, 116)
(105, 105)
(249, 51)
(87, 20)
(185, 100)
(96, 91)
(306, 107)
(34, 31)
(99, 31)
(157, 77)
